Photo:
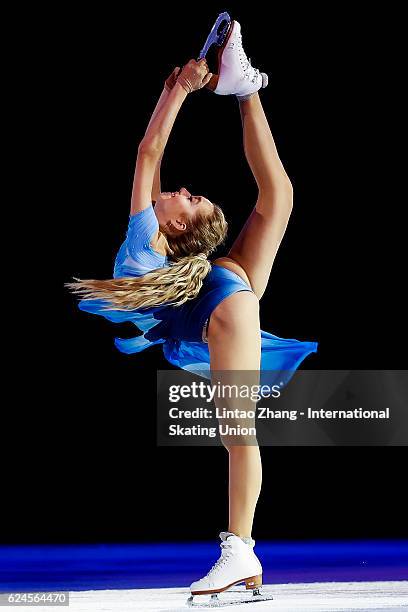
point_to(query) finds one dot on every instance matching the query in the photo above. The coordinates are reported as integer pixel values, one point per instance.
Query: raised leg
(257, 244)
(234, 343)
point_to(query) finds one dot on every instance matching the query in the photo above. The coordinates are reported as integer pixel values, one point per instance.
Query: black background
(82, 462)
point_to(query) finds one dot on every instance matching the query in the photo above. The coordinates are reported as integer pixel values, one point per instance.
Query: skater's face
(175, 208)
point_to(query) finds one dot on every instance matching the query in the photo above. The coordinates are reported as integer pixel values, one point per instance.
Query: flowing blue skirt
(179, 331)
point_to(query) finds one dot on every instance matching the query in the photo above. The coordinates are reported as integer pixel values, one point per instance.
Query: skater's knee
(241, 308)
(239, 447)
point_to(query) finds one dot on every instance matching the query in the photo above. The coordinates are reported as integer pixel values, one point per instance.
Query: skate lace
(225, 554)
(250, 72)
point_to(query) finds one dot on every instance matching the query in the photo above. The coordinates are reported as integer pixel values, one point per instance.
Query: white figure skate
(235, 74)
(238, 563)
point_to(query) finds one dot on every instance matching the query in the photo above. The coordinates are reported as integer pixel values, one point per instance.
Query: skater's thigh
(234, 338)
(234, 343)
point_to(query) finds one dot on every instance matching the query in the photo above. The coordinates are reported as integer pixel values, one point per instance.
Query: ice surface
(310, 597)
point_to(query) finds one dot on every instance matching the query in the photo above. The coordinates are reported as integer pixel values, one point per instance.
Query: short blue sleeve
(136, 256)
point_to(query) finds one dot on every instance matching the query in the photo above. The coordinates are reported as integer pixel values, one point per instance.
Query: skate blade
(226, 598)
(218, 33)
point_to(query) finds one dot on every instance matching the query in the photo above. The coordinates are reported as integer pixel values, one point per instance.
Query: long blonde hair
(173, 284)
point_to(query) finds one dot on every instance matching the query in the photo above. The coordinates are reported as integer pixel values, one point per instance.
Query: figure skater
(206, 313)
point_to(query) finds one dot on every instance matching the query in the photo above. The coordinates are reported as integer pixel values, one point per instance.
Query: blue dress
(181, 329)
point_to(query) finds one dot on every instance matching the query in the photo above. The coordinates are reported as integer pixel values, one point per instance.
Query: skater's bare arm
(257, 244)
(168, 86)
(156, 188)
(193, 76)
(152, 146)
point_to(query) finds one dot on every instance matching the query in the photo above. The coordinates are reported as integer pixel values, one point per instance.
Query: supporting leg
(245, 480)
(235, 347)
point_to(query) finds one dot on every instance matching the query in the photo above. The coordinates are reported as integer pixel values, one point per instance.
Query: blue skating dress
(182, 329)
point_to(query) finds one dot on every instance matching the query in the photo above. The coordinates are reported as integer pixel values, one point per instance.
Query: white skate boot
(238, 563)
(235, 74)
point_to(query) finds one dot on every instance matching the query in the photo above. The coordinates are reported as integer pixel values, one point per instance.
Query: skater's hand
(194, 75)
(172, 79)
